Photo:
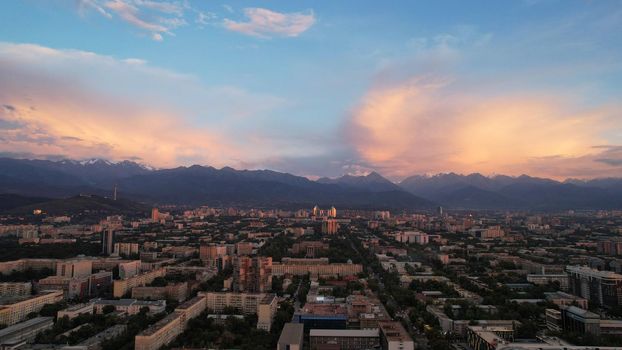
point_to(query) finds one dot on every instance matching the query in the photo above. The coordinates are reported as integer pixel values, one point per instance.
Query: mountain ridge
(197, 185)
(193, 185)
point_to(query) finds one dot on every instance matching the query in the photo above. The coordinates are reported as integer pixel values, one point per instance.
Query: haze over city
(317, 88)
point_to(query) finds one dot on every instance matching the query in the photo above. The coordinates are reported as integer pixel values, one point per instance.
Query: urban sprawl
(315, 278)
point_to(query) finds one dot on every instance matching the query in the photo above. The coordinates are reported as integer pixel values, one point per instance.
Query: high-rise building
(210, 254)
(316, 211)
(252, 274)
(332, 212)
(107, 241)
(329, 226)
(603, 288)
(126, 249)
(155, 214)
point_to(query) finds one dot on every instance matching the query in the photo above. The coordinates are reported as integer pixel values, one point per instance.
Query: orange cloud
(424, 125)
(80, 105)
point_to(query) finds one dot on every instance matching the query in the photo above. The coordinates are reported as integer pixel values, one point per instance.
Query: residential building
(129, 269)
(178, 291)
(393, 336)
(604, 288)
(330, 226)
(74, 268)
(168, 328)
(252, 274)
(124, 286)
(264, 305)
(17, 310)
(126, 249)
(15, 289)
(317, 270)
(107, 241)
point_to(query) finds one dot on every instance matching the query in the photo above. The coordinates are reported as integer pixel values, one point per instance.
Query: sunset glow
(317, 89)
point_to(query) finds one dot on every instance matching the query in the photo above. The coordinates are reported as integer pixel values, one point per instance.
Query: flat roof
(292, 333)
(490, 337)
(19, 326)
(394, 330)
(370, 333)
(581, 312)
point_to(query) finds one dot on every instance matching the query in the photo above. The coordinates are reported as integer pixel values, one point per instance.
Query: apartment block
(124, 286)
(17, 311)
(15, 289)
(604, 288)
(264, 305)
(167, 329)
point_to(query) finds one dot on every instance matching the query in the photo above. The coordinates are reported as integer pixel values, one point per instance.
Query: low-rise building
(76, 310)
(129, 306)
(488, 338)
(393, 336)
(25, 331)
(542, 280)
(564, 299)
(344, 339)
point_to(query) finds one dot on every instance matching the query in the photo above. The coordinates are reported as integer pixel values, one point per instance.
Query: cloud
(154, 17)
(81, 105)
(611, 155)
(266, 23)
(433, 124)
(158, 18)
(86, 5)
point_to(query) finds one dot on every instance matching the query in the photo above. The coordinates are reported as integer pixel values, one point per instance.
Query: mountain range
(205, 185)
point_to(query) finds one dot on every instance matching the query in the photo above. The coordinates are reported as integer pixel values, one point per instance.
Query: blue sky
(317, 88)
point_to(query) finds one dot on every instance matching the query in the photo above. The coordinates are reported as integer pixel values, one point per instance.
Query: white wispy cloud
(265, 23)
(154, 17)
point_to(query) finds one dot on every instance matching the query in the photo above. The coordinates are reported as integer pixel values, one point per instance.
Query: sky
(317, 88)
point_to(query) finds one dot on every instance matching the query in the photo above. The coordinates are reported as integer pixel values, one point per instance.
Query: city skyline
(317, 88)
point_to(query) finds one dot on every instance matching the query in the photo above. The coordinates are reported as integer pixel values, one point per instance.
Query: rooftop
(371, 333)
(394, 331)
(581, 312)
(292, 333)
(22, 325)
